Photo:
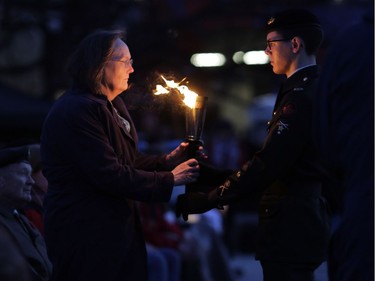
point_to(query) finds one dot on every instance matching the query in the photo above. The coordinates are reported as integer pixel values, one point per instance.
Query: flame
(189, 96)
(160, 90)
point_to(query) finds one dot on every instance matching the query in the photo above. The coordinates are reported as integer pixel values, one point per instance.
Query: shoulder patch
(281, 127)
(270, 21)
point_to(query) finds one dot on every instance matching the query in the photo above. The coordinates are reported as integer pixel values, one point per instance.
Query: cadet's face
(279, 52)
(16, 183)
(117, 70)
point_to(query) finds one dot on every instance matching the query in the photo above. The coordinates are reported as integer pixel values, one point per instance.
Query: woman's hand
(186, 172)
(180, 154)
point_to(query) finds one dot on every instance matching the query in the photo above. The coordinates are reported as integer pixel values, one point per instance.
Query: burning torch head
(195, 118)
(195, 113)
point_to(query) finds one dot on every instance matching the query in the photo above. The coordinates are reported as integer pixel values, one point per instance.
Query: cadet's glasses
(269, 42)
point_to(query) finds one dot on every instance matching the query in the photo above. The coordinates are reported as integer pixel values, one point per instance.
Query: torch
(195, 113)
(195, 117)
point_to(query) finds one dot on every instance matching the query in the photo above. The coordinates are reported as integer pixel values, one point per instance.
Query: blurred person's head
(102, 63)
(16, 181)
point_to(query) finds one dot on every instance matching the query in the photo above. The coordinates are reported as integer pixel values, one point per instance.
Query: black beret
(10, 155)
(293, 19)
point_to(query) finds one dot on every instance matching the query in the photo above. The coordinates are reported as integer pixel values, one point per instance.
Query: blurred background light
(255, 57)
(238, 57)
(208, 59)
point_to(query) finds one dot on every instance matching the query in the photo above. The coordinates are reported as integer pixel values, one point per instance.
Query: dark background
(162, 35)
(39, 35)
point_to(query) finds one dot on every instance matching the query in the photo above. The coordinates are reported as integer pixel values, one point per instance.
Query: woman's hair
(86, 64)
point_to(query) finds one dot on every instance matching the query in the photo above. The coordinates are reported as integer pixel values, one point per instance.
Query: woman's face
(117, 71)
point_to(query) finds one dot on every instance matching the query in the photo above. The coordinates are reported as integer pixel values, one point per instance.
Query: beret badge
(270, 21)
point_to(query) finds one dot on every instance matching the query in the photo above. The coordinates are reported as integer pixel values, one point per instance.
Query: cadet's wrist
(213, 198)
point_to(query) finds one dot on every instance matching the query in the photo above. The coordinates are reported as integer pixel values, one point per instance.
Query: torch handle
(192, 151)
(193, 148)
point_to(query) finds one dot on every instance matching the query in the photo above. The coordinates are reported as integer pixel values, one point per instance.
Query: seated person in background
(163, 240)
(157, 230)
(158, 265)
(15, 192)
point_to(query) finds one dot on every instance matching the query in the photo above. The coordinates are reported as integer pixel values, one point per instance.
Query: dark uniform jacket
(95, 173)
(29, 241)
(293, 217)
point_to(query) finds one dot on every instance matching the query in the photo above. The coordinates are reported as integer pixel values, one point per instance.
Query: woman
(95, 172)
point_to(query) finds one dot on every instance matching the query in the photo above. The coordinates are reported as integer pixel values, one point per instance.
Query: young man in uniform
(293, 230)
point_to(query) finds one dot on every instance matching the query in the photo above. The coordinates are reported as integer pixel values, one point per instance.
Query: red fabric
(157, 230)
(35, 218)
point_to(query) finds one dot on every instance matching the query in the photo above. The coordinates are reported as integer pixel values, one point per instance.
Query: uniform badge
(224, 186)
(270, 21)
(281, 127)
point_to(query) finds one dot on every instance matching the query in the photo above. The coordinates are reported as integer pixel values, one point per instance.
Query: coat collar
(118, 103)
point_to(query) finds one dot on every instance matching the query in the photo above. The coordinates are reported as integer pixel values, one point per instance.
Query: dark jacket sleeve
(94, 152)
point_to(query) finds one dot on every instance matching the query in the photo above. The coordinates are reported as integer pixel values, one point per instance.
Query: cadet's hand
(186, 172)
(195, 203)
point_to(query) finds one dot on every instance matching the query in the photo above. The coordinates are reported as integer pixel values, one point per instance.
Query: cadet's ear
(297, 43)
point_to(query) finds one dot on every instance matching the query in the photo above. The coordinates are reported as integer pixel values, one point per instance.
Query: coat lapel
(119, 105)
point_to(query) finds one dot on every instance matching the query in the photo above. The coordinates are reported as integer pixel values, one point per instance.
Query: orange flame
(189, 96)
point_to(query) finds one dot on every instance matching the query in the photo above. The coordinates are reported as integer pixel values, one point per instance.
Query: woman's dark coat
(95, 174)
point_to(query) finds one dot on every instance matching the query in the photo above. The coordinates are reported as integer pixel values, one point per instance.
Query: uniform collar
(303, 75)
(297, 80)
(299, 69)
